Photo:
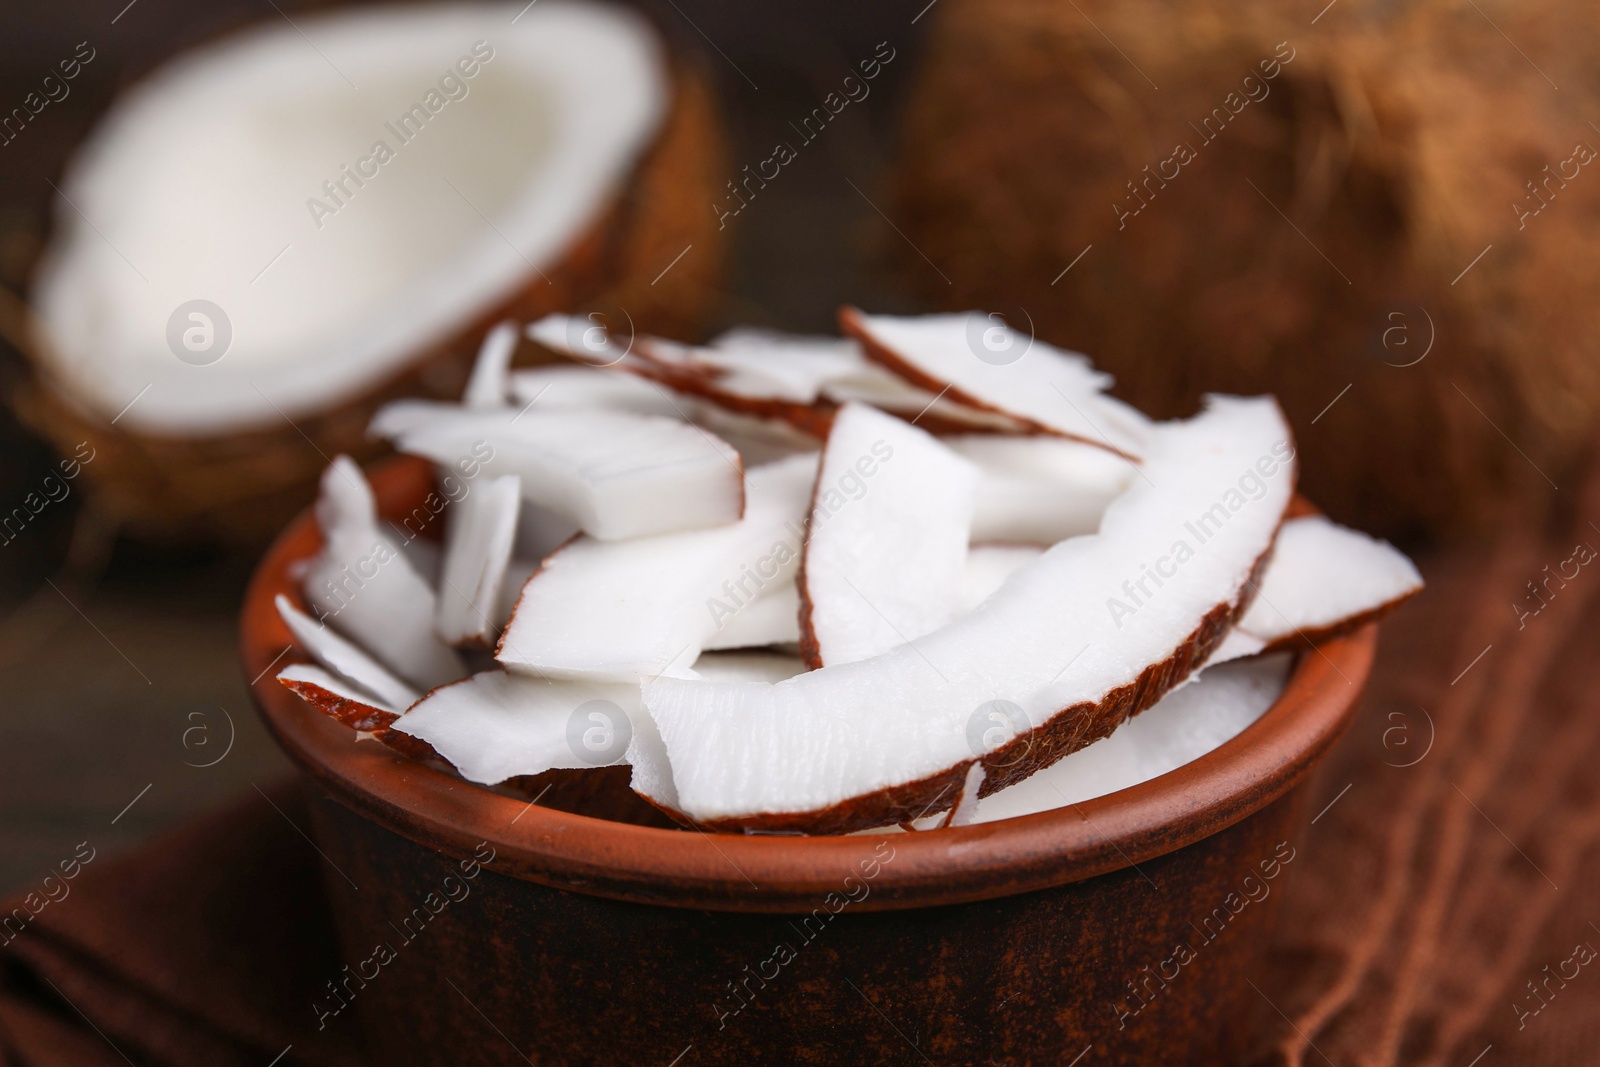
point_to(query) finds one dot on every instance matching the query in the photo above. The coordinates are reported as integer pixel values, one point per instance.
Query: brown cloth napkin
(1449, 904)
(1441, 912)
(205, 948)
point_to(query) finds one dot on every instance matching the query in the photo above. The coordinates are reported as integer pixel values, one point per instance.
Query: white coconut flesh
(887, 538)
(363, 586)
(772, 618)
(1065, 640)
(506, 133)
(565, 387)
(1181, 727)
(1048, 647)
(346, 659)
(626, 610)
(490, 383)
(1039, 489)
(986, 570)
(980, 361)
(615, 475)
(496, 725)
(765, 365)
(1324, 576)
(652, 772)
(480, 533)
(333, 693)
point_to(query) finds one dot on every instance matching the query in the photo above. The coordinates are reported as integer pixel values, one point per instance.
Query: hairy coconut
(238, 479)
(1332, 208)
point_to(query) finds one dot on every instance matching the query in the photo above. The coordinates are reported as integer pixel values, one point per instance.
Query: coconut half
(1326, 579)
(887, 538)
(389, 181)
(1095, 630)
(626, 610)
(981, 362)
(294, 221)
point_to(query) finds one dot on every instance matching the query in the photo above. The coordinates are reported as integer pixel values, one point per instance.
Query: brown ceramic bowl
(1126, 929)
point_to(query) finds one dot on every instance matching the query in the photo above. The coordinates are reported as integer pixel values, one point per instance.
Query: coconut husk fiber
(1349, 222)
(242, 487)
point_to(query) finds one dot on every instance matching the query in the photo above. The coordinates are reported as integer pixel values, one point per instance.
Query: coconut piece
(1039, 489)
(353, 707)
(540, 532)
(584, 339)
(563, 387)
(1095, 630)
(488, 387)
(1183, 726)
(495, 725)
(614, 474)
(887, 538)
(773, 618)
(965, 811)
(338, 697)
(1237, 644)
(767, 667)
(362, 585)
(986, 570)
(652, 772)
(801, 380)
(623, 610)
(477, 550)
(345, 658)
(981, 362)
(570, 161)
(423, 555)
(1325, 579)
(763, 364)
(518, 571)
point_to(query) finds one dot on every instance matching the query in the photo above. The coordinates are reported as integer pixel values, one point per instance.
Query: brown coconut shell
(1319, 240)
(241, 487)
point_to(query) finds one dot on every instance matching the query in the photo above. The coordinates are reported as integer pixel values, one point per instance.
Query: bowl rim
(770, 873)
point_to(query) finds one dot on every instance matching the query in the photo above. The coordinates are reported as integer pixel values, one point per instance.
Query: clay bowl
(1129, 926)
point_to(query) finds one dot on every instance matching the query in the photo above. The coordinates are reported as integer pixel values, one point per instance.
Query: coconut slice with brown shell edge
(886, 542)
(981, 362)
(626, 610)
(1324, 580)
(1095, 630)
